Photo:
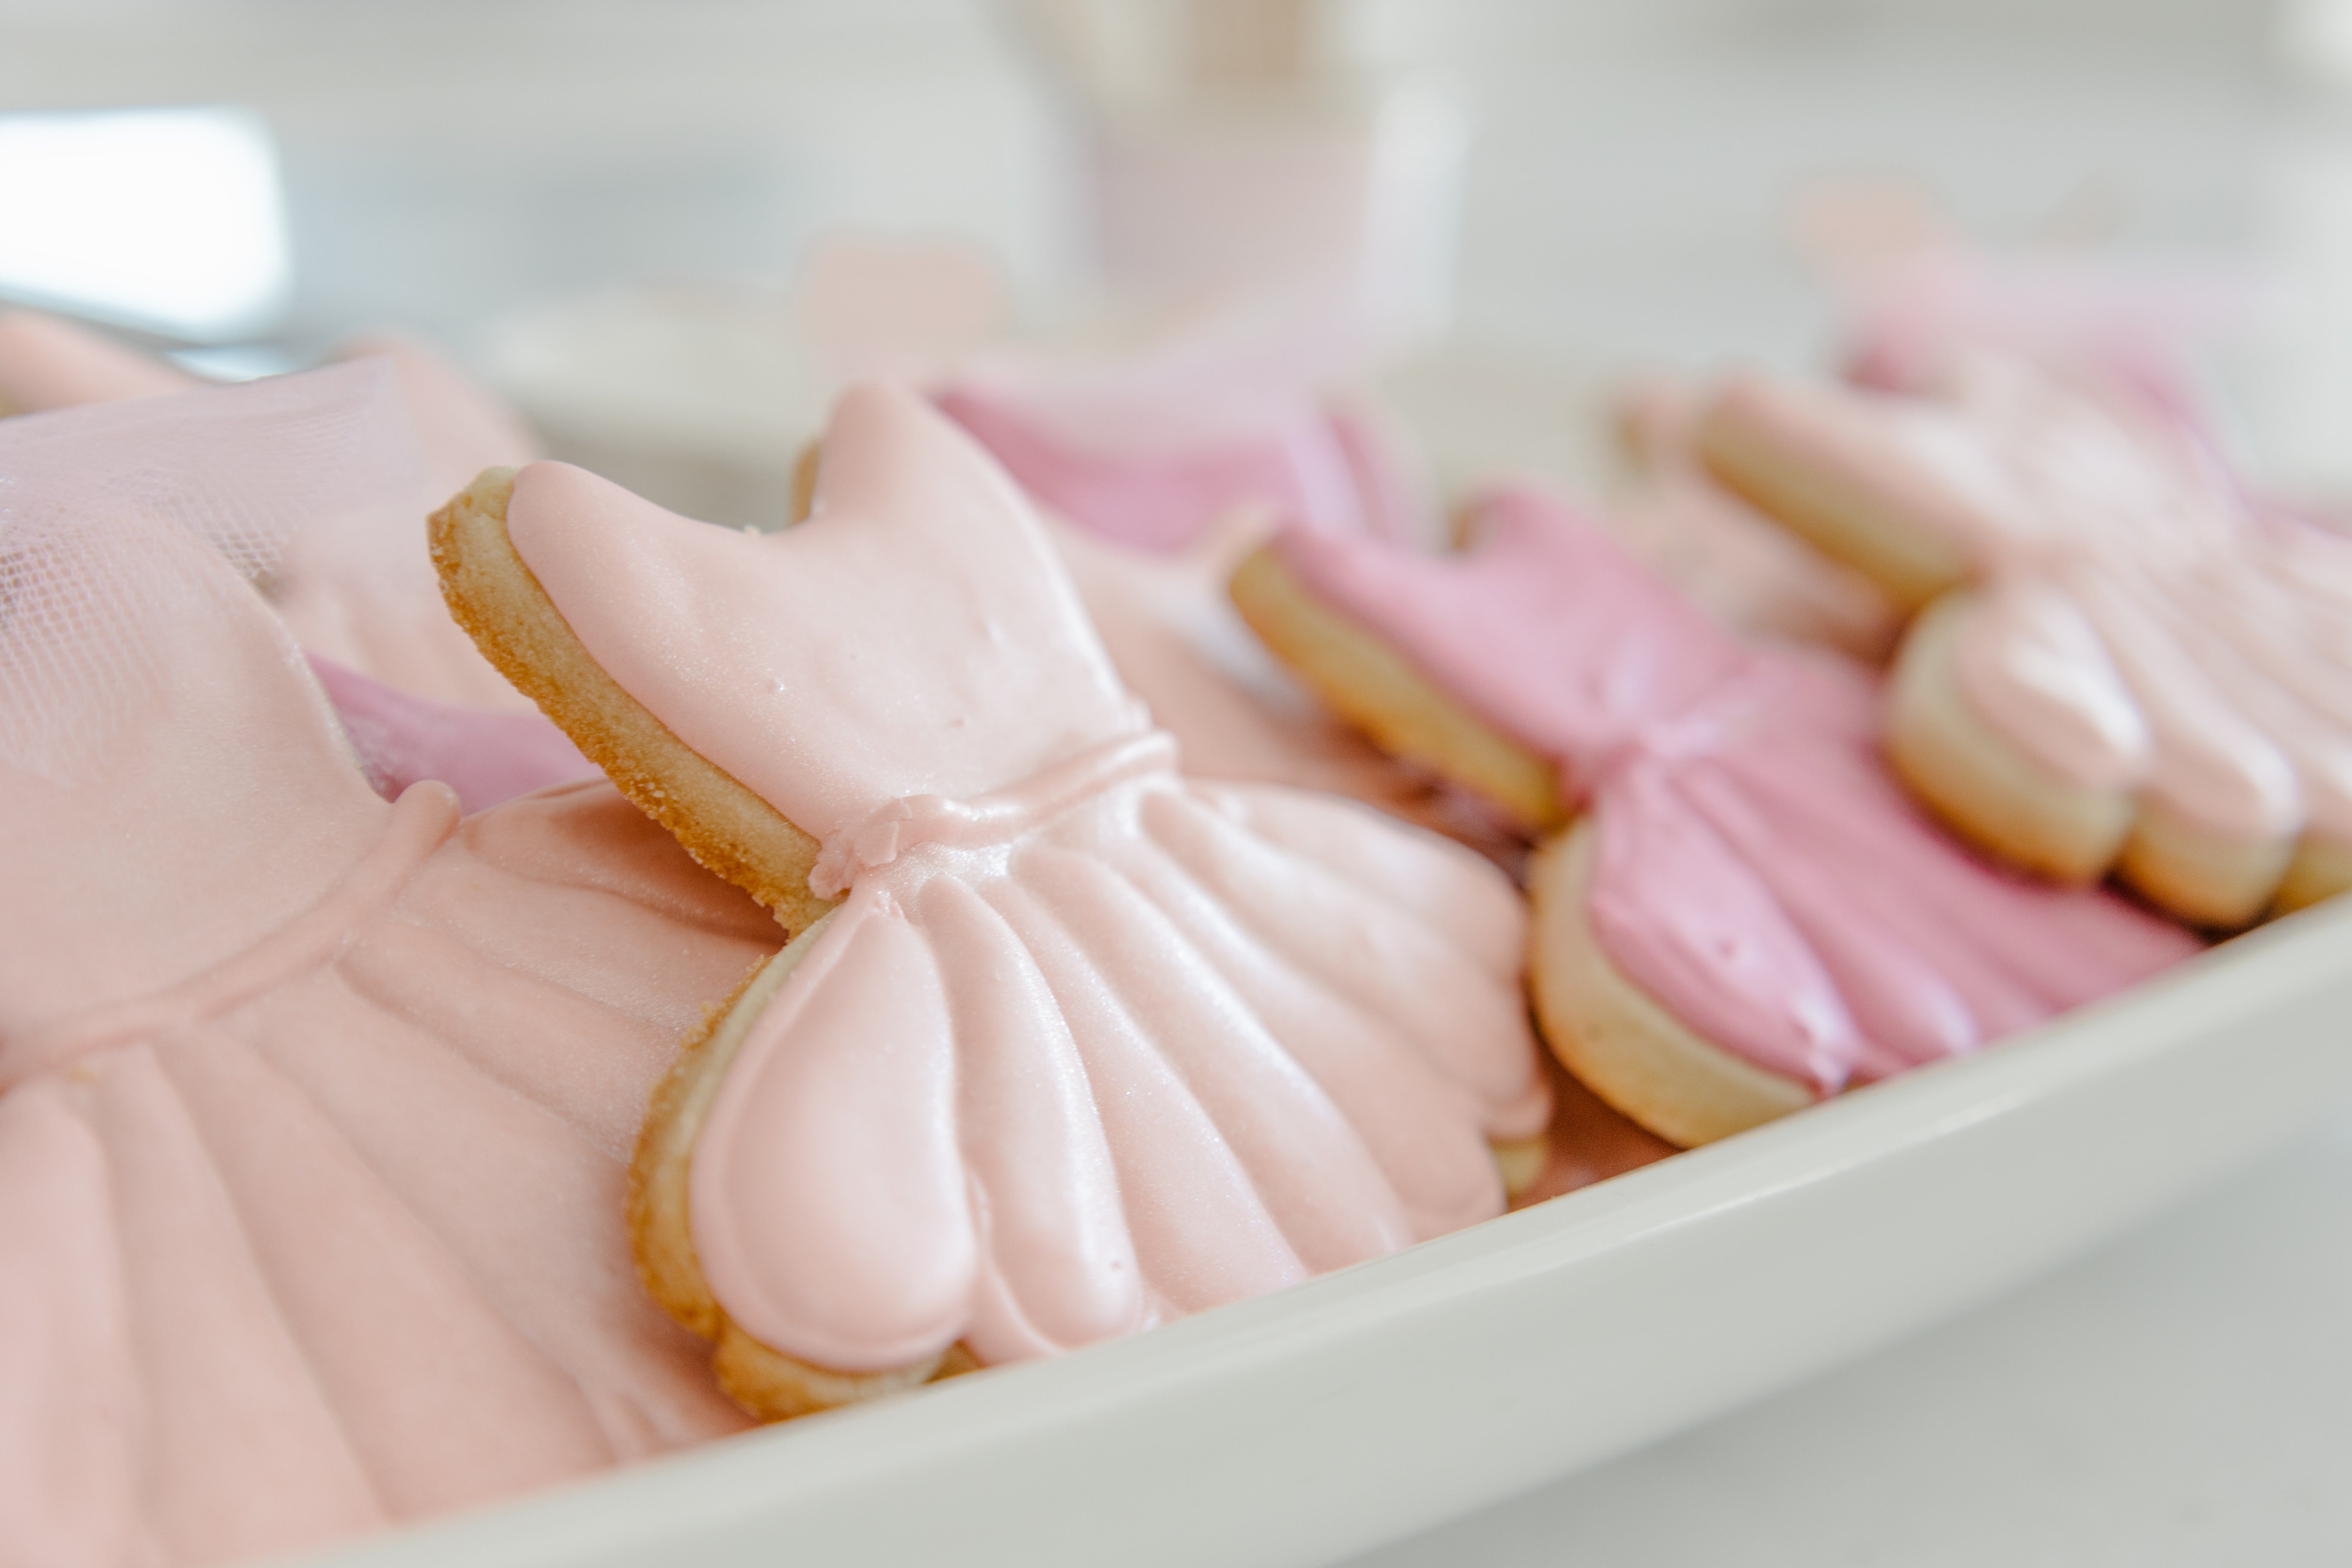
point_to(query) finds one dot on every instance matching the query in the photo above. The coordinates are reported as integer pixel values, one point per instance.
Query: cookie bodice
(1756, 873)
(904, 640)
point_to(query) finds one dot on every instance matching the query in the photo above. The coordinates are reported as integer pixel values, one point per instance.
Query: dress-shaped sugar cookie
(1747, 913)
(1067, 1044)
(349, 575)
(315, 1110)
(1151, 448)
(2123, 662)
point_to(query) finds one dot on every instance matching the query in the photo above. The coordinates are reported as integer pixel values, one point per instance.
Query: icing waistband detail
(421, 821)
(874, 840)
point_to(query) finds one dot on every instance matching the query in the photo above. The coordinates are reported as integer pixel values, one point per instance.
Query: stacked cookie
(2121, 660)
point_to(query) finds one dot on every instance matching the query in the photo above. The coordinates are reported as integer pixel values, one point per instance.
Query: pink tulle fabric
(1756, 870)
(352, 580)
(314, 1109)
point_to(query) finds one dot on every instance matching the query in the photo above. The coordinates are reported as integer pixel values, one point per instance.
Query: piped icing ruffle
(1756, 873)
(1086, 1044)
(314, 1110)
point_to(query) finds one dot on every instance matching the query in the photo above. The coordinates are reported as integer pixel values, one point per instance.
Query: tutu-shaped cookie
(315, 1110)
(1746, 914)
(2123, 663)
(1066, 1044)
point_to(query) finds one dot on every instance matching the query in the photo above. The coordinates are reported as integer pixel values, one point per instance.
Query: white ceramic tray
(1304, 1427)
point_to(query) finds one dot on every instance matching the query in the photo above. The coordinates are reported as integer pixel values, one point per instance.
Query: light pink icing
(314, 1110)
(1758, 874)
(1086, 1044)
(485, 758)
(47, 364)
(2143, 626)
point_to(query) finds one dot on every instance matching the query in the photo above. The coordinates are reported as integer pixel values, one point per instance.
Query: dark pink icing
(1757, 873)
(486, 758)
(1324, 469)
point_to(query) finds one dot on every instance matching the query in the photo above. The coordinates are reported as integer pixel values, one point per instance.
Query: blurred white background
(1620, 202)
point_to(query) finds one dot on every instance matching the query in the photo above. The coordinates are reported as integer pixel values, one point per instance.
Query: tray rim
(729, 1497)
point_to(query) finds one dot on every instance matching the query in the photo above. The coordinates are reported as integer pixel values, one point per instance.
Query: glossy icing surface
(1086, 1044)
(314, 1110)
(1757, 873)
(2143, 625)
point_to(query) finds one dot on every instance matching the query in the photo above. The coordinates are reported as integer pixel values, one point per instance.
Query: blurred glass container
(1289, 148)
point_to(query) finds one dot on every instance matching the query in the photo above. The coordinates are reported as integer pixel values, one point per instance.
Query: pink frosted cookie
(2123, 663)
(1746, 915)
(315, 1110)
(1150, 450)
(1065, 1044)
(1740, 568)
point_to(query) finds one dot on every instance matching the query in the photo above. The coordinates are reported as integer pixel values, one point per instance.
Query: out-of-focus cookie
(1743, 570)
(1150, 448)
(1743, 913)
(1065, 1045)
(2125, 663)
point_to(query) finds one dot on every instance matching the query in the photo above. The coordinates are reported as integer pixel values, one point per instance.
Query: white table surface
(2182, 1396)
